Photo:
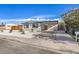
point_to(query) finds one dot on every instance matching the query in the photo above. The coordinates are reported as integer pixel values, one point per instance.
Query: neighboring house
(11, 27)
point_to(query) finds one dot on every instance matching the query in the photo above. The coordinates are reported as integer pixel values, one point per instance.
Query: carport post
(76, 37)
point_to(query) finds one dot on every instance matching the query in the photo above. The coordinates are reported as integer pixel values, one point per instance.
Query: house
(39, 25)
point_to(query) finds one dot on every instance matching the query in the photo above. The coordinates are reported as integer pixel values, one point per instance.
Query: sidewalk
(62, 44)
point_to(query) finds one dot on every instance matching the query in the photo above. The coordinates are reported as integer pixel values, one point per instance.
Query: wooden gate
(19, 27)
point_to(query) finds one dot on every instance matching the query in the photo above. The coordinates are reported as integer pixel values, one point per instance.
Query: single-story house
(41, 25)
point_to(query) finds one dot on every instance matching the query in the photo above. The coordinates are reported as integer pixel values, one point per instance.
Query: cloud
(44, 16)
(56, 19)
(41, 18)
(10, 20)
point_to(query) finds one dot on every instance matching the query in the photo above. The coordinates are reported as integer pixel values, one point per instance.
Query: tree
(71, 19)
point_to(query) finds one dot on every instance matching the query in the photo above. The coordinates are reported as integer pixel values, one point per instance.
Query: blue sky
(23, 11)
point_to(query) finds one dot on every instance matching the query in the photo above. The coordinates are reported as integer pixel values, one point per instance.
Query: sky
(24, 11)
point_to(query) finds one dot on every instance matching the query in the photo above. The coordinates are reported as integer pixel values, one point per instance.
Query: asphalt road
(16, 47)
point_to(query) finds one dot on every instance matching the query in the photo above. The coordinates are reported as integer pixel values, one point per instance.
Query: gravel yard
(8, 46)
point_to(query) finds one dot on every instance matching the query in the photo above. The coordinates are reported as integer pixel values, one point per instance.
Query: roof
(26, 23)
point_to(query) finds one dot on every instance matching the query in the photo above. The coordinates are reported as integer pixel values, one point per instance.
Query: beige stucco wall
(48, 24)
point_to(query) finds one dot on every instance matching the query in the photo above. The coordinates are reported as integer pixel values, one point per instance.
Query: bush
(61, 26)
(1, 30)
